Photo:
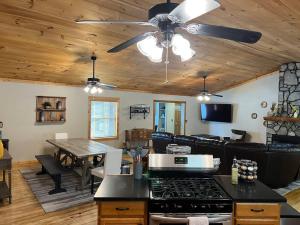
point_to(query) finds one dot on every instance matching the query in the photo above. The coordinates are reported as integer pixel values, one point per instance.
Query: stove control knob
(203, 206)
(164, 206)
(178, 206)
(194, 206)
(220, 206)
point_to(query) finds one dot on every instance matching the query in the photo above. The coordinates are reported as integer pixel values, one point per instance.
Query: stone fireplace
(289, 95)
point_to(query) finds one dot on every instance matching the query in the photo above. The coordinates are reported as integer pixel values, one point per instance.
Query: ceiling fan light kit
(203, 98)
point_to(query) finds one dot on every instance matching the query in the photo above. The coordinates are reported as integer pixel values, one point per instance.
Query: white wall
(17, 111)
(246, 100)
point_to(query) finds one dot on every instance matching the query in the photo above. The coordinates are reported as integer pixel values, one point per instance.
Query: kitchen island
(123, 200)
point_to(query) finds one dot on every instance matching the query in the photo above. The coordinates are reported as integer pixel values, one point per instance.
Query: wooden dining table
(77, 152)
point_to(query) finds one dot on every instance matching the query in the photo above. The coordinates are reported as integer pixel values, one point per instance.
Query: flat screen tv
(216, 112)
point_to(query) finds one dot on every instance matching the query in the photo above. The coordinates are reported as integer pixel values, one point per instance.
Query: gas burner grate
(188, 188)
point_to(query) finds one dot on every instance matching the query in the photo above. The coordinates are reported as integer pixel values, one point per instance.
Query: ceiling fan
(167, 18)
(93, 84)
(205, 94)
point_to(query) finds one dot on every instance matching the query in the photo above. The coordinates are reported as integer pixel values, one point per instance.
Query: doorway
(169, 116)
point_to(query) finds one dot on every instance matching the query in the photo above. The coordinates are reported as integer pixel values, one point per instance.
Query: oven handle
(185, 220)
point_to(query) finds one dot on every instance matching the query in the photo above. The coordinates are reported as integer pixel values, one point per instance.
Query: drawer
(256, 222)
(257, 210)
(122, 208)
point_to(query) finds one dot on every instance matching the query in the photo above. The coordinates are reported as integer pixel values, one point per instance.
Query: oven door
(182, 219)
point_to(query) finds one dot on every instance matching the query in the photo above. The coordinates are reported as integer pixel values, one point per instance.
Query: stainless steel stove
(181, 186)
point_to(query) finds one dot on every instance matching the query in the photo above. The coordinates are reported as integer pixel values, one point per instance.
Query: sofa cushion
(247, 146)
(283, 147)
(160, 141)
(161, 135)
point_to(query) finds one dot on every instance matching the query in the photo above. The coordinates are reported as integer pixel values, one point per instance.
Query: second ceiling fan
(205, 94)
(167, 18)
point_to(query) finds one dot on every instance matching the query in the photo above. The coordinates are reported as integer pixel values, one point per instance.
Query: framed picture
(1, 124)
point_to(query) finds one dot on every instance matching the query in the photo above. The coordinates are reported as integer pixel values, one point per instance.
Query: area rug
(42, 184)
(291, 187)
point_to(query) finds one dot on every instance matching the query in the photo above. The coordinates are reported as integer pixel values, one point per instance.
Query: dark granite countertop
(246, 192)
(122, 187)
(126, 187)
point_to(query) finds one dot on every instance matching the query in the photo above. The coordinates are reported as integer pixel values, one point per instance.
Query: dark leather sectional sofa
(278, 164)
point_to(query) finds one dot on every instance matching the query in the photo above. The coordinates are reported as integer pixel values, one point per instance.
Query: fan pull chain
(167, 62)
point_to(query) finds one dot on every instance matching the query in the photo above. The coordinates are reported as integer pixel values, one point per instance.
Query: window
(103, 118)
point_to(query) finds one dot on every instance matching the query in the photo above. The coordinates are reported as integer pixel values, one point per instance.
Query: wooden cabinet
(121, 221)
(122, 212)
(255, 222)
(257, 214)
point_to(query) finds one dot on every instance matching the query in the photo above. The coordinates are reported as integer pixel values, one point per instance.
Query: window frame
(103, 99)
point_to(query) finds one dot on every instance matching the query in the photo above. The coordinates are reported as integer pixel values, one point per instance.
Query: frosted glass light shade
(156, 55)
(179, 44)
(200, 98)
(182, 47)
(87, 89)
(149, 48)
(146, 46)
(187, 54)
(93, 90)
(99, 90)
(206, 98)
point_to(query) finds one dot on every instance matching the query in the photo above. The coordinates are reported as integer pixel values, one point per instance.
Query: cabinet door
(122, 221)
(256, 222)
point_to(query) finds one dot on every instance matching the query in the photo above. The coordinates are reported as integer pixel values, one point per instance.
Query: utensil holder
(138, 170)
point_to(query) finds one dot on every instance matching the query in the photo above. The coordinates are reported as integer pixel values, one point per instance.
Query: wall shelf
(282, 119)
(139, 109)
(50, 110)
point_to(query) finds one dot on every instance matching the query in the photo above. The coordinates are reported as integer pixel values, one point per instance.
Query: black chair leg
(58, 188)
(92, 183)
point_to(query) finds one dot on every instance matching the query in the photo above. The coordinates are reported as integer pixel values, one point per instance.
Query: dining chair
(58, 154)
(112, 166)
(59, 136)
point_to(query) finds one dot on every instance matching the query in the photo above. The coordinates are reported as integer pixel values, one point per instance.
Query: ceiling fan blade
(109, 86)
(142, 23)
(233, 34)
(209, 94)
(190, 9)
(130, 42)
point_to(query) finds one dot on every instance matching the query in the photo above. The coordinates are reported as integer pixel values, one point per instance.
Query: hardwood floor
(294, 199)
(25, 209)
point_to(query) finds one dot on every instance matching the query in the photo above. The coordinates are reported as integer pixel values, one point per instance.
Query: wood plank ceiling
(39, 41)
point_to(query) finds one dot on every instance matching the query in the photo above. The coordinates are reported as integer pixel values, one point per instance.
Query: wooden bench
(51, 167)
